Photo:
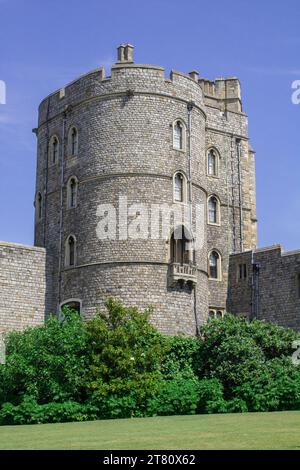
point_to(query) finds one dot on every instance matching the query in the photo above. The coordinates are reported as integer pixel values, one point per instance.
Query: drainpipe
(190, 108)
(238, 149)
(232, 196)
(62, 175)
(46, 175)
(255, 307)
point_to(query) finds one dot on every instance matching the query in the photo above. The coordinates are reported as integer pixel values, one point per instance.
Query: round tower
(119, 156)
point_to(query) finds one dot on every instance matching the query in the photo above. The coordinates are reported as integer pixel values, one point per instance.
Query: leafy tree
(46, 363)
(125, 355)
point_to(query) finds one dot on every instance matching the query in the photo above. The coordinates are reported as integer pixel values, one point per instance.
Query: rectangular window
(242, 271)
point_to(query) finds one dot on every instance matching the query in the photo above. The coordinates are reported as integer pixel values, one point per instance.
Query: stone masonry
(22, 287)
(124, 148)
(270, 290)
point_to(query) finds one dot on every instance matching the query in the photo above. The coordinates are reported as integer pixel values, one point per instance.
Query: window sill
(69, 268)
(184, 203)
(214, 177)
(179, 150)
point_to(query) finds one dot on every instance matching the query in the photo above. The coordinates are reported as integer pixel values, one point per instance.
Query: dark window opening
(73, 305)
(181, 247)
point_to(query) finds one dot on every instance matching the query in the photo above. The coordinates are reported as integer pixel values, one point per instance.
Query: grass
(232, 431)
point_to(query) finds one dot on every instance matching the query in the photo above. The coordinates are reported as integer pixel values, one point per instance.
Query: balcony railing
(186, 273)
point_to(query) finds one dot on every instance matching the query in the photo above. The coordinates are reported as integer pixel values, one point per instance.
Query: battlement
(224, 92)
(128, 77)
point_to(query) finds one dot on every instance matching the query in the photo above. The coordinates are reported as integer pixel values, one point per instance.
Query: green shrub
(210, 397)
(47, 363)
(237, 352)
(29, 412)
(117, 365)
(236, 405)
(181, 353)
(176, 396)
(277, 388)
(125, 356)
(114, 406)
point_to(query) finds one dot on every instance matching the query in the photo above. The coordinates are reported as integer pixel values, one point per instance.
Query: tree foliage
(118, 365)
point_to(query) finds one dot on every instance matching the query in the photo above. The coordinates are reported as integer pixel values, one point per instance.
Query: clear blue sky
(45, 44)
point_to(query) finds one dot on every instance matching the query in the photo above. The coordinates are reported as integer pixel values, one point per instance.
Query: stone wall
(271, 290)
(22, 286)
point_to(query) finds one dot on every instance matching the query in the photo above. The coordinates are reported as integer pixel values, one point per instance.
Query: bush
(276, 389)
(47, 363)
(118, 366)
(178, 388)
(210, 398)
(29, 412)
(176, 396)
(237, 352)
(125, 356)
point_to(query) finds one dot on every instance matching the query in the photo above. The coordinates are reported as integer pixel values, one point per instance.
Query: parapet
(125, 76)
(222, 92)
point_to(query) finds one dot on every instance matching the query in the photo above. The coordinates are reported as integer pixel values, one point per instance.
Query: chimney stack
(125, 54)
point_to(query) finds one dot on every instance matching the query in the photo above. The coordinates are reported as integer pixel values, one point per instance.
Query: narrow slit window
(212, 163)
(213, 210)
(178, 136)
(214, 265)
(178, 187)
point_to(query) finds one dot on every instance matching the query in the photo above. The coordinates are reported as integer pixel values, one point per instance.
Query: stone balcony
(182, 273)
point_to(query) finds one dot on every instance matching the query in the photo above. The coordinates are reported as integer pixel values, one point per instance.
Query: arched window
(72, 187)
(211, 315)
(213, 207)
(54, 149)
(38, 206)
(73, 141)
(72, 304)
(70, 251)
(179, 187)
(214, 265)
(215, 313)
(179, 135)
(212, 163)
(182, 250)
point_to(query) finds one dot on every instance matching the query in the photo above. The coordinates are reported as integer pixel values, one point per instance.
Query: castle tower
(115, 153)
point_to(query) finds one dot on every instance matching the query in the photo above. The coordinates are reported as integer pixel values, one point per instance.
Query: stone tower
(115, 151)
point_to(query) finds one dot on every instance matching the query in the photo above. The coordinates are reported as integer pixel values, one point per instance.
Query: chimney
(194, 75)
(121, 53)
(125, 54)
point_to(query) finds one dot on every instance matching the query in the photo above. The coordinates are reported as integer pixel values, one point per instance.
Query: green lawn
(231, 431)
